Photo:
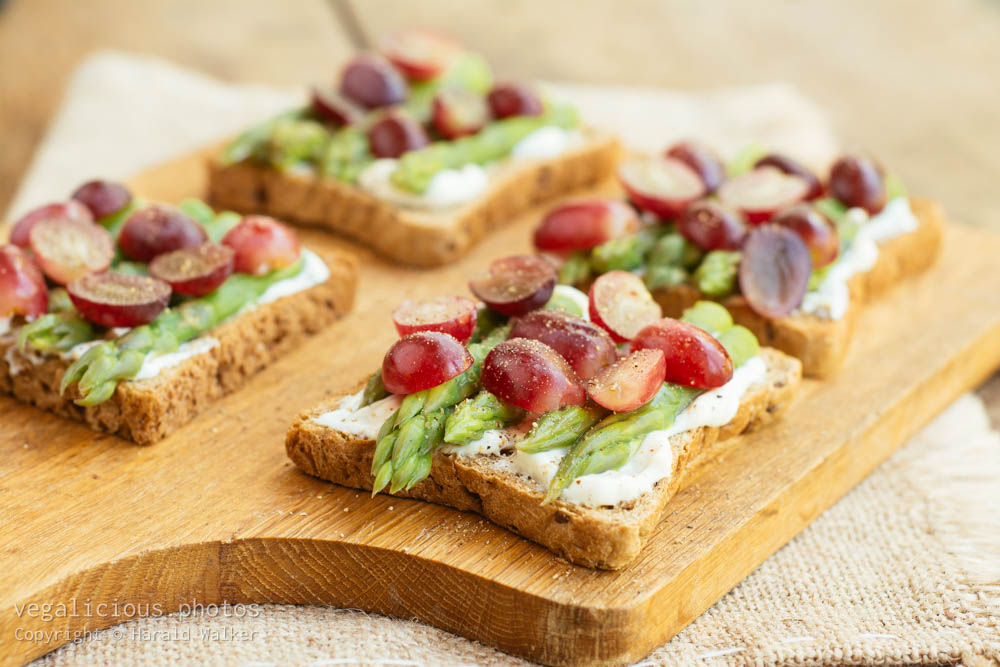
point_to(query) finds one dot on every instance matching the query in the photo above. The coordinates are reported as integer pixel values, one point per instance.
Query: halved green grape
(716, 276)
(740, 343)
(710, 316)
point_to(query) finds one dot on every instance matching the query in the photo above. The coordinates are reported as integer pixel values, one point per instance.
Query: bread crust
(409, 236)
(605, 537)
(821, 344)
(146, 411)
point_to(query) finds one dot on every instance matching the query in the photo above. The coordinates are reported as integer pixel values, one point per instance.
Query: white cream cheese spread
(447, 188)
(546, 142)
(452, 187)
(5, 325)
(350, 417)
(831, 297)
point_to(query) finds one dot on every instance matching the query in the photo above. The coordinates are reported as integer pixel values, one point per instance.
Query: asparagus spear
(374, 389)
(476, 415)
(55, 332)
(559, 428)
(622, 254)
(100, 369)
(611, 443)
(576, 269)
(438, 400)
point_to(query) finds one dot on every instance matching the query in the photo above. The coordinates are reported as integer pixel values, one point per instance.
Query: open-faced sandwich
(416, 153)
(567, 420)
(133, 317)
(791, 257)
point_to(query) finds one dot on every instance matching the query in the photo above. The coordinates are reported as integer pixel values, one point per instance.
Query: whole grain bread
(601, 537)
(411, 236)
(145, 411)
(821, 344)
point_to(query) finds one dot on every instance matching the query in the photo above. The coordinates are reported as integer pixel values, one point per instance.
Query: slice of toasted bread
(412, 236)
(145, 411)
(821, 344)
(601, 537)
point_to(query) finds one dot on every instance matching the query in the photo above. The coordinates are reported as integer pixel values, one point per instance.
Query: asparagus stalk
(474, 416)
(100, 369)
(374, 389)
(411, 418)
(559, 428)
(611, 443)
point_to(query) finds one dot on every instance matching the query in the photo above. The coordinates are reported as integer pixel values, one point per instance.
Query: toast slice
(821, 344)
(145, 411)
(412, 236)
(602, 537)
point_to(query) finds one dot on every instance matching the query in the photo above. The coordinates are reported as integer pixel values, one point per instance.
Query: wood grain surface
(216, 513)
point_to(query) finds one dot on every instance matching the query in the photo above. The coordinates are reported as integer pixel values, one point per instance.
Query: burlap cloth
(904, 569)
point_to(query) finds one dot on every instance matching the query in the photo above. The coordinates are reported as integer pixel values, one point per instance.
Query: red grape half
(516, 285)
(712, 226)
(531, 375)
(157, 229)
(702, 160)
(585, 223)
(514, 99)
(103, 197)
(396, 133)
(423, 360)
(622, 305)
(69, 249)
(790, 166)
(372, 81)
(819, 234)
(22, 286)
(453, 315)
(760, 193)
(630, 382)
(119, 300)
(774, 270)
(693, 358)
(194, 271)
(857, 181)
(19, 234)
(587, 347)
(262, 244)
(420, 54)
(662, 186)
(457, 113)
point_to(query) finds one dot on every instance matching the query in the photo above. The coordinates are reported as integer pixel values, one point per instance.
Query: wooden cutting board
(217, 513)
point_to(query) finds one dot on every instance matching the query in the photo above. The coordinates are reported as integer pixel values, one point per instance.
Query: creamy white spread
(447, 188)
(652, 462)
(452, 187)
(831, 298)
(546, 142)
(314, 272)
(350, 417)
(5, 325)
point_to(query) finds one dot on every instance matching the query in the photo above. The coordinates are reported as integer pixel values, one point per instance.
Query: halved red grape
(531, 375)
(662, 186)
(819, 234)
(420, 54)
(194, 271)
(630, 382)
(262, 244)
(157, 229)
(857, 181)
(760, 193)
(790, 166)
(457, 113)
(702, 160)
(712, 226)
(585, 223)
(423, 360)
(103, 197)
(514, 99)
(587, 347)
(693, 358)
(22, 286)
(396, 133)
(372, 82)
(118, 299)
(68, 249)
(620, 302)
(453, 315)
(64, 209)
(516, 285)
(774, 270)
(334, 107)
